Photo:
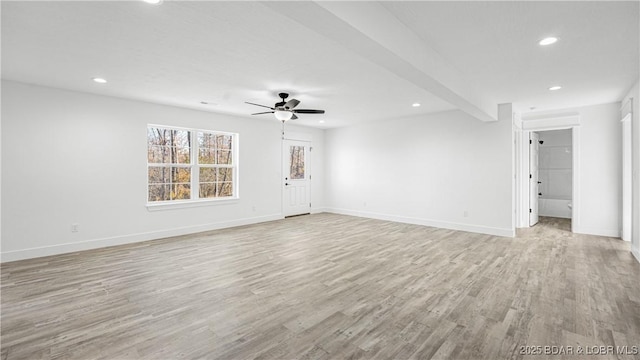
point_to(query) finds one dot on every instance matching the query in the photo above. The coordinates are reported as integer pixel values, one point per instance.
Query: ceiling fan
(284, 110)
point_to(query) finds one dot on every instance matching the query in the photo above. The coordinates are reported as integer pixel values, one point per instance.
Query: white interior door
(626, 178)
(534, 147)
(296, 178)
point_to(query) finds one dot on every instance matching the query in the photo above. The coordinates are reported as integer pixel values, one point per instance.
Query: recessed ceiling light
(415, 104)
(154, 2)
(554, 88)
(548, 41)
(100, 80)
(321, 121)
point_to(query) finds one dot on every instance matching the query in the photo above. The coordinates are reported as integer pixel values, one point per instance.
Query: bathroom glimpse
(556, 175)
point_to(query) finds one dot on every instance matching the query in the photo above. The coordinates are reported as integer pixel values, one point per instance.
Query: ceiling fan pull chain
(282, 129)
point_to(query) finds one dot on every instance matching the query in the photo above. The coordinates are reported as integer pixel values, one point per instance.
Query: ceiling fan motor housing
(284, 110)
(283, 96)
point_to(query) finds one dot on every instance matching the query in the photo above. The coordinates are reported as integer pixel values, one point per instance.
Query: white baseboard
(427, 222)
(596, 231)
(636, 253)
(128, 239)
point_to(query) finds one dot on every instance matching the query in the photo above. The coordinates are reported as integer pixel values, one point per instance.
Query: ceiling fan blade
(266, 112)
(291, 104)
(268, 107)
(308, 111)
(293, 117)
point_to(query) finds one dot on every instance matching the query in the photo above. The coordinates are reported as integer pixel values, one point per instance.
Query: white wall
(601, 170)
(597, 210)
(71, 157)
(431, 170)
(635, 158)
(554, 163)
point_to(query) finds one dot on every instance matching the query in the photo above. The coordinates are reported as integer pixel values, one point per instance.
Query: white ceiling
(494, 45)
(182, 53)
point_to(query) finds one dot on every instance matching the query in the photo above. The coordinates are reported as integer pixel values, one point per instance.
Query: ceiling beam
(372, 32)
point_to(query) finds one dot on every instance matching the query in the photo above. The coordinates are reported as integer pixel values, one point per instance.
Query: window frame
(194, 167)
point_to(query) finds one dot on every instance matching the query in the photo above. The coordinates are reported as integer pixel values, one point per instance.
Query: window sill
(190, 204)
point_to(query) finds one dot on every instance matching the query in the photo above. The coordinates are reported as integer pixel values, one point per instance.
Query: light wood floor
(325, 286)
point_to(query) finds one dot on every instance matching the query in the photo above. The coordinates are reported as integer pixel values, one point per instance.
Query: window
(296, 168)
(186, 165)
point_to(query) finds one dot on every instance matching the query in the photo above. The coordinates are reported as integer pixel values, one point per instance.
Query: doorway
(537, 124)
(296, 185)
(534, 175)
(551, 178)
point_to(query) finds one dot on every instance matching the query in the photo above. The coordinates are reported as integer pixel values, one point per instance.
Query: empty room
(320, 180)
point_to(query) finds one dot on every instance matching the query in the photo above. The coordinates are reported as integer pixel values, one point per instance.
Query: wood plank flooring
(326, 286)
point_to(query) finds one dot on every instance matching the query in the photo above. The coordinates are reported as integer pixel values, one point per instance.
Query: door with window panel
(296, 178)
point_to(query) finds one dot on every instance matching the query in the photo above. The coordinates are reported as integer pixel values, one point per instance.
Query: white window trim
(195, 201)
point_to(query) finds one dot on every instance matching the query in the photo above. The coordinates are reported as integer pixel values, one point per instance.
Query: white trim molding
(505, 232)
(551, 122)
(626, 108)
(128, 239)
(614, 233)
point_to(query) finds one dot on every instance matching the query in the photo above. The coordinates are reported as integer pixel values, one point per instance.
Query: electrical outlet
(74, 227)
(465, 214)
(253, 208)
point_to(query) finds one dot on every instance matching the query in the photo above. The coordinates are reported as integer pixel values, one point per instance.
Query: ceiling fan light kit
(283, 115)
(284, 110)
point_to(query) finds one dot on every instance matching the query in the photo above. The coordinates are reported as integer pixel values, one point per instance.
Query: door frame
(295, 136)
(626, 223)
(547, 123)
(534, 182)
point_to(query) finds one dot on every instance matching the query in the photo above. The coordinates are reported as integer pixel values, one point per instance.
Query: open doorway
(551, 178)
(544, 124)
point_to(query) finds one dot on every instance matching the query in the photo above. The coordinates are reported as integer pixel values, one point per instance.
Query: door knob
(540, 194)
(286, 184)
(539, 182)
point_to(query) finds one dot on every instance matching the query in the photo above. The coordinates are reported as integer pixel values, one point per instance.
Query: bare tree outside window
(216, 165)
(296, 169)
(171, 165)
(169, 159)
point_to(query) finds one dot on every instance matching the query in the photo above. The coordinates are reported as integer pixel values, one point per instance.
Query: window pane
(159, 192)
(158, 175)
(206, 140)
(166, 146)
(154, 154)
(183, 155)
(223, 142)
(207, 175)
(224, 157)
(180, 175)
(181, 138)
(296, 169)
(207, 190)
(168, 175)
(168, 137)
(225, 189)
(157, 136)
(159, 154)
(207, 156)
(225, 174)
(180, 191)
